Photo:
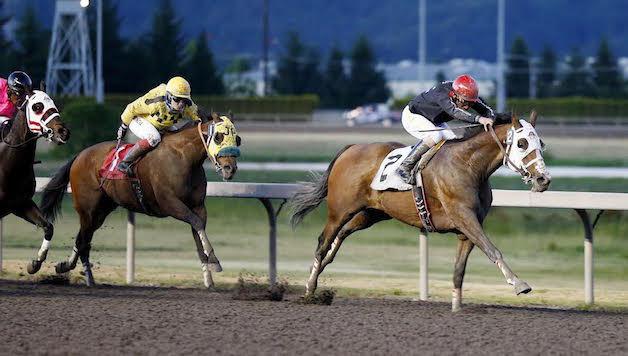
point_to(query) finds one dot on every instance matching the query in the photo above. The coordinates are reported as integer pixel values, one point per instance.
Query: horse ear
(42, 86)
(230, 115)
(214, 116)
(533, 117)
(515, 122)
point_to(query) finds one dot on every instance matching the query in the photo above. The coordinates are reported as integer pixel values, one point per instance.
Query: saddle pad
(109, 168)
(387, 177)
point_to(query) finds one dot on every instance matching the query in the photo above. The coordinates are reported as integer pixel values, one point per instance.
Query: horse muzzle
(541, 182)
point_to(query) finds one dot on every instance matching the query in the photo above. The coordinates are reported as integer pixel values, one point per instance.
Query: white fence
(265, 192)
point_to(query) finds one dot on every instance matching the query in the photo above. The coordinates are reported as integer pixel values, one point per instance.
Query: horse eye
(238, 140)
(522, 143)
(38, 108)
(218, 138)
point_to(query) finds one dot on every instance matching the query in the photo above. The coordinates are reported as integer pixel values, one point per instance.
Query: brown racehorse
(38, 117)
(457, 188)
(172, 180)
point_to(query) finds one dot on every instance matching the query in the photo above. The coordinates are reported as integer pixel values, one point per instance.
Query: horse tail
(311, 193)
(55, 191)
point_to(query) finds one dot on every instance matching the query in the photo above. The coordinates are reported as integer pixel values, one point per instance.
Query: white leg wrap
(43, 250)
(73, 257)
(510, 276)
(205, 241)
(456, 299)
(207, 276)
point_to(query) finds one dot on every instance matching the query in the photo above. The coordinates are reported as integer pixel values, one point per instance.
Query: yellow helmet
(179, 87)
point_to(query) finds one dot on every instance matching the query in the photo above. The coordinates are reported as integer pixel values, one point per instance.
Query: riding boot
(406, 167)
(139, 149)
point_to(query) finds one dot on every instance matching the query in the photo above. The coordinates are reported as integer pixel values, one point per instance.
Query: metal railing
(581, 202)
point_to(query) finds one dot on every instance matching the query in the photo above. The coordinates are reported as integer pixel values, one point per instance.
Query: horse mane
(500, 119)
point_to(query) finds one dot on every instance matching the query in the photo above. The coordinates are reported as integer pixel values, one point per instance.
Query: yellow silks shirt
(152, 107)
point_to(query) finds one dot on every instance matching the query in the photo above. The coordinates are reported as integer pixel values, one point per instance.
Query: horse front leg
(462, 254)
(468, 224)
(197, 217)
(31, 213)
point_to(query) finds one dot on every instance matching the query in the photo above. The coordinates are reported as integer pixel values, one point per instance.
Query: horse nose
(544, 180)
(64, 133)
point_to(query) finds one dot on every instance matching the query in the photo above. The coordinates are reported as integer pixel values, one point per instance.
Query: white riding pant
(415, 124)
(144, 130)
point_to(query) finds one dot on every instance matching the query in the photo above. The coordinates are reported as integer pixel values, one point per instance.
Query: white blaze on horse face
(514, 160)
(39, 113)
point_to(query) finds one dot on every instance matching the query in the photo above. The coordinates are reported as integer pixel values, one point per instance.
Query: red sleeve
(7, 108)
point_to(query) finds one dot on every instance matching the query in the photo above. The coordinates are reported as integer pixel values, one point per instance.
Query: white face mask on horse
(40, 110)
(520, 143)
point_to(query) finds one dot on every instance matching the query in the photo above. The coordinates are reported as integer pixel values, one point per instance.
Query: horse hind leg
(462, 254)
(332, 237)
(360, 221)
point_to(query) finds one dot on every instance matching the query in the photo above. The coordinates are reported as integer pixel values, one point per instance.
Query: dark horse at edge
(38, 117)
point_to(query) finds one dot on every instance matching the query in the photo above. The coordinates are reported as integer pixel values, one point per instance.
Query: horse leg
(360, 221)
(324, 244)
(91, 219)
(469, 225)
(464, 249)
(31, 213)
(180, 211)
(201, 212)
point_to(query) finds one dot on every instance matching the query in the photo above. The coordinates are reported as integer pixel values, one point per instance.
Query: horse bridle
(210, 136)
(46, 132)
(523, 171)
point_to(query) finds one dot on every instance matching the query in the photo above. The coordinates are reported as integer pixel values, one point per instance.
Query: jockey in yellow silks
(155, 112)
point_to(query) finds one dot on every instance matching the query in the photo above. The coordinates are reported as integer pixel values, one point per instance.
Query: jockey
(432, 109)
(152, 114)
(13, 92)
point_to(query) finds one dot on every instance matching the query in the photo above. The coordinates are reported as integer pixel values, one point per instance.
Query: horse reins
(210, 137)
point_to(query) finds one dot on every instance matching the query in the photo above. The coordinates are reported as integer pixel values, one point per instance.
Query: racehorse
(172, 181)
(457, 189)
(37, 117)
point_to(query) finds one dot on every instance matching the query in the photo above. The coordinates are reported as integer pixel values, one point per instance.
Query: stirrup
(124, 167)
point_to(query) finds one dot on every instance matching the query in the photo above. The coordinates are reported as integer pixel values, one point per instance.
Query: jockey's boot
(405, 168)
(134, 153)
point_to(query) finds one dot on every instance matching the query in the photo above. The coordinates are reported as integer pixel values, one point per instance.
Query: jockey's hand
(122, 131)
(486, 122)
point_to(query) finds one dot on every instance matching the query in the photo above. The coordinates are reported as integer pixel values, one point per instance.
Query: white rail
(579, 201)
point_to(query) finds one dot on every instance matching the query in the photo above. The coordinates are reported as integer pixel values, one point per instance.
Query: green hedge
(560, 107)
(302, 104)
(89, 123)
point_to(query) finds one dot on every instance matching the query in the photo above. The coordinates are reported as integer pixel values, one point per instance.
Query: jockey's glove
(122, 131)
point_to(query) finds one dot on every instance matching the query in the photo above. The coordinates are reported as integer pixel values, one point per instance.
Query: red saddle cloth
(109, 168)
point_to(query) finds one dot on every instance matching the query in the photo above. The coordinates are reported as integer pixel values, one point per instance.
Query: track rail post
(423, 261)
(272, 238)
(588, 256)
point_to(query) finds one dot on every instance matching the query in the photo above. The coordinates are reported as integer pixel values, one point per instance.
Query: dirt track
(37, 318)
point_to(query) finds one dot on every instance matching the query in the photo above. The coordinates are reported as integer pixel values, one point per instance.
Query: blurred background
(305, 78)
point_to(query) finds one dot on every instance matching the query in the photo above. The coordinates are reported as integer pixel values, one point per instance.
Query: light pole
(501, 85)
(422, 39)
(265, 48)
(100, 84)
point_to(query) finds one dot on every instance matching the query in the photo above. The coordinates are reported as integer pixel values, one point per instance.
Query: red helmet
(466, 87)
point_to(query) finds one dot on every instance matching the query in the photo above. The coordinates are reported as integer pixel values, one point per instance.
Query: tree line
(602, 78)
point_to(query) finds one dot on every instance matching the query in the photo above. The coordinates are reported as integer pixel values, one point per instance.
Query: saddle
(109, 171)
(387, 179)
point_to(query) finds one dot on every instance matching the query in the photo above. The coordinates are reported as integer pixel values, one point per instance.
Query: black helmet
(20, 83)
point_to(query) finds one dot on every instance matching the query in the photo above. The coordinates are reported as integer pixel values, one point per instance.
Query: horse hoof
(63, 267)
(522, 288)
(215, 267)
(34, 267)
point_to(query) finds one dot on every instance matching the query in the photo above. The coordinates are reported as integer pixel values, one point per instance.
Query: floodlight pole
(422, 40)
(100, 83)
(501, 85)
